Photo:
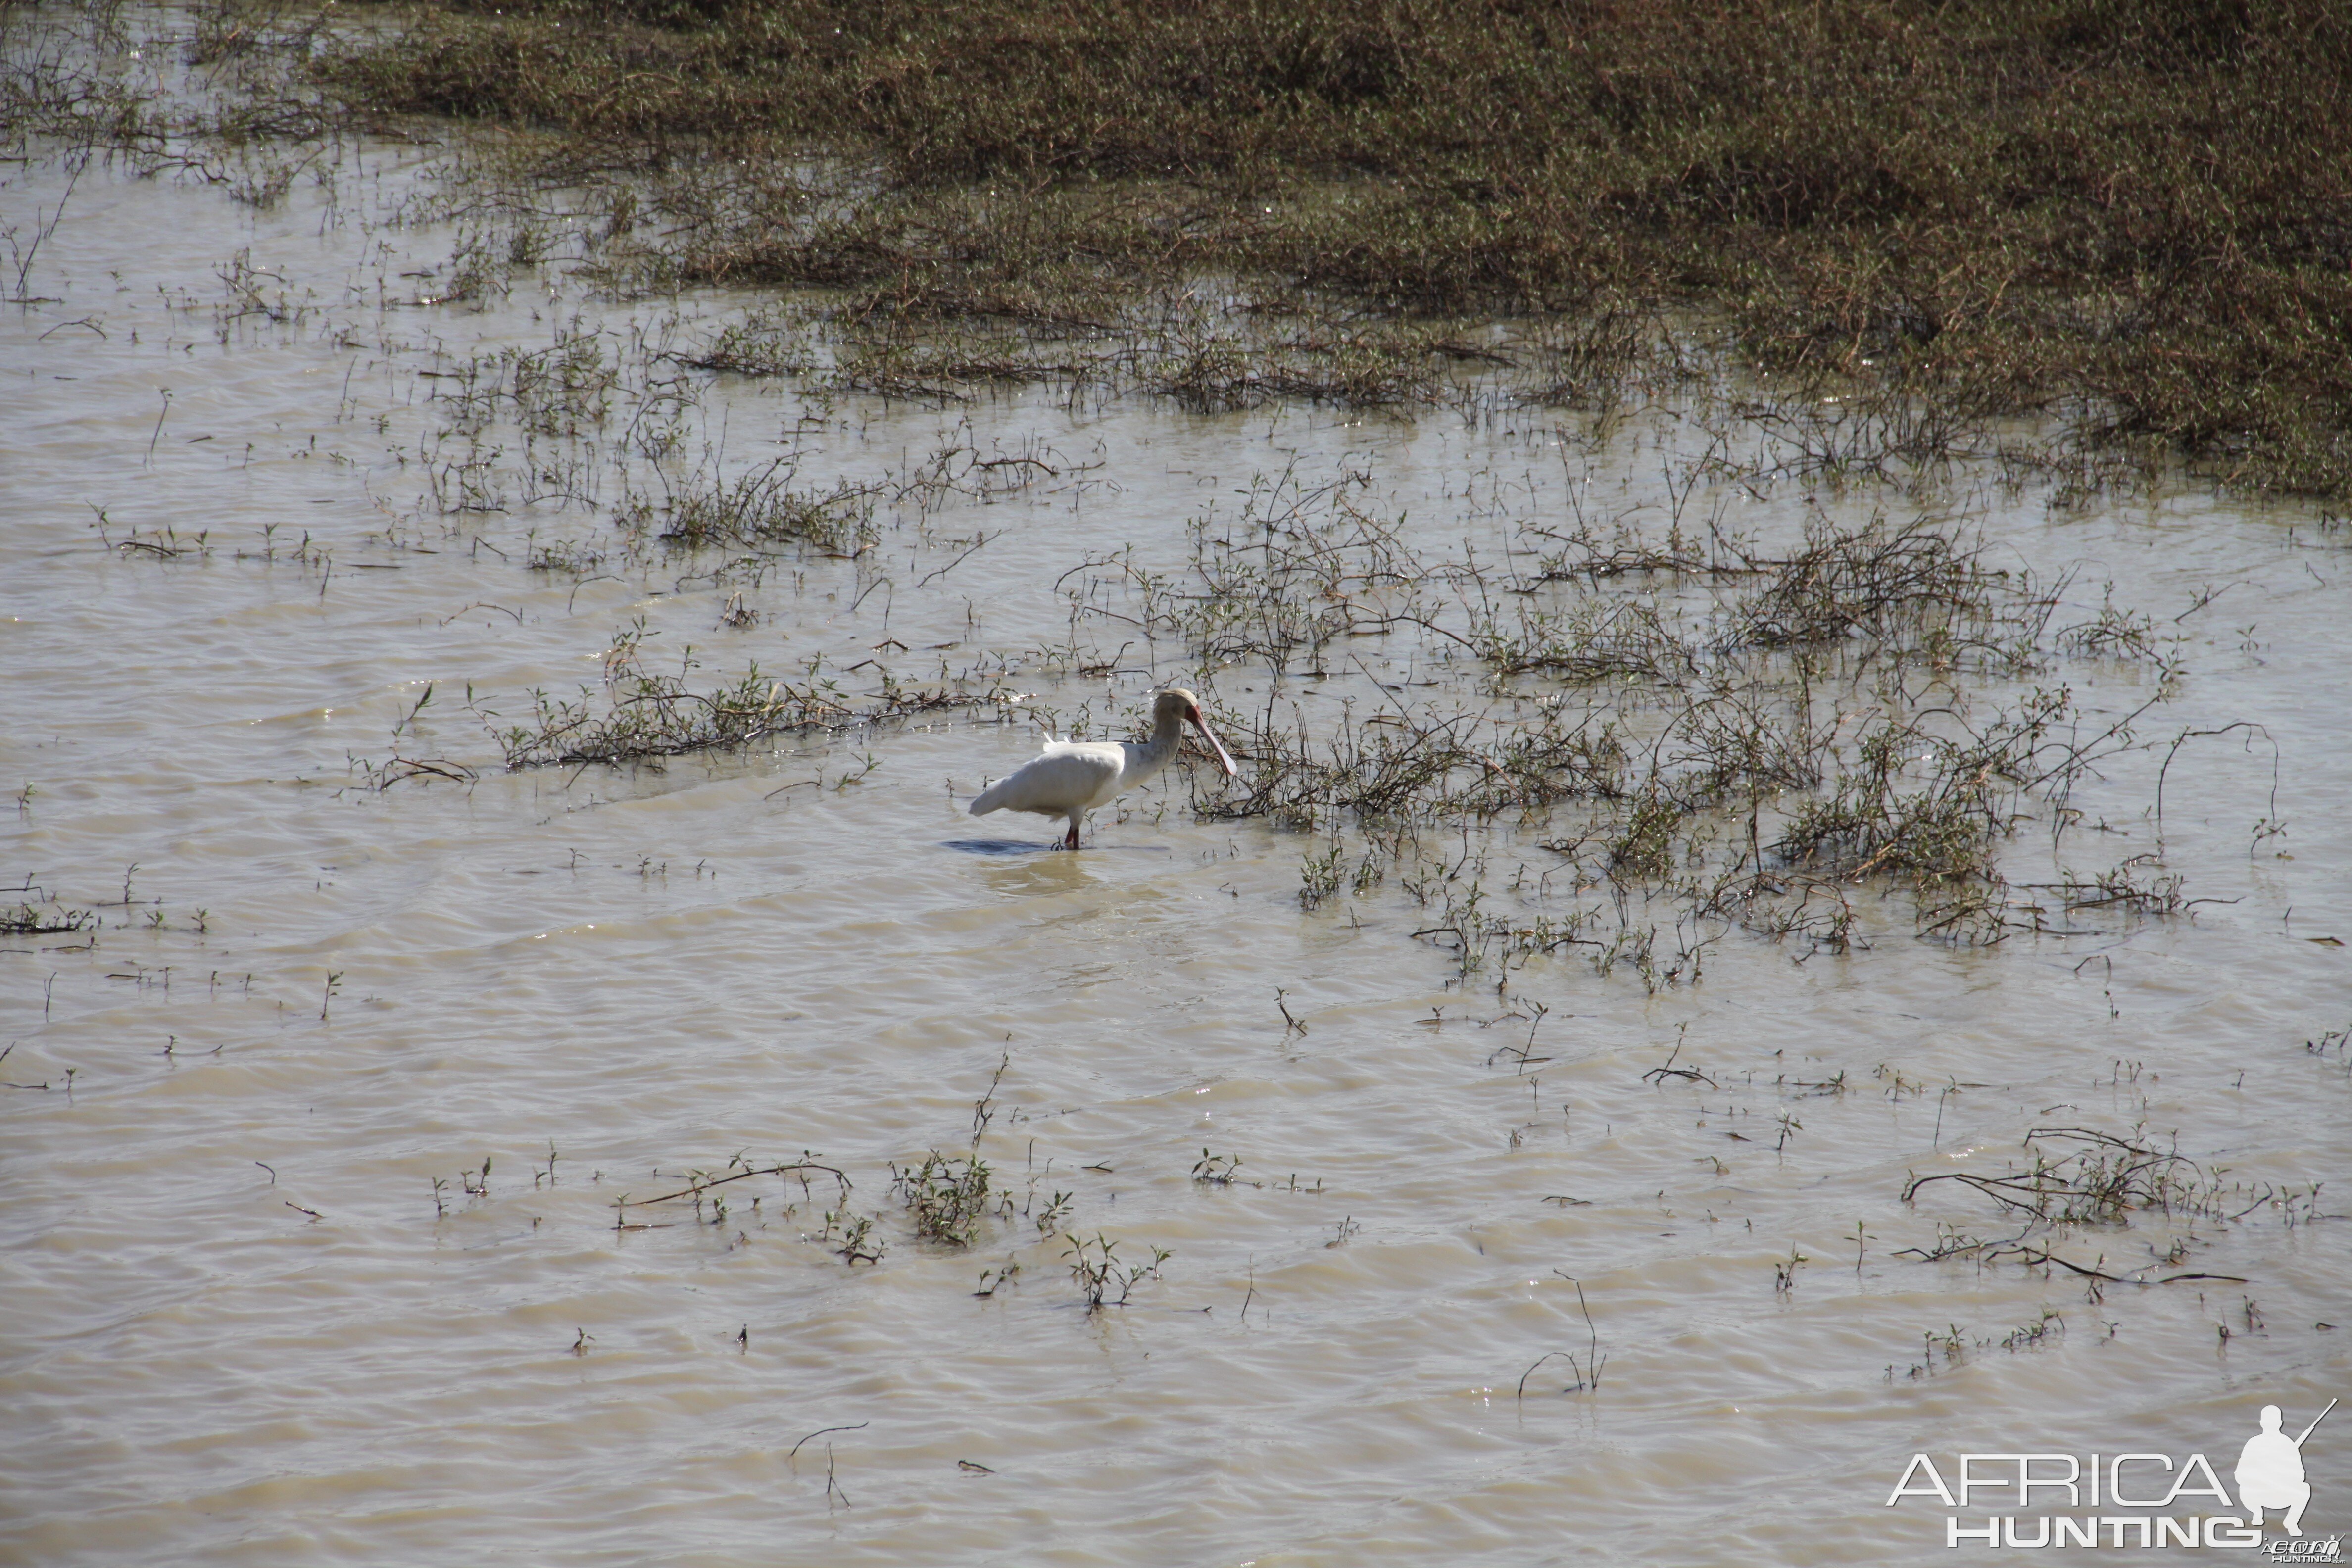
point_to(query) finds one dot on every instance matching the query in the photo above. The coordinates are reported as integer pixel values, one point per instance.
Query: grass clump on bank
(2117, 213)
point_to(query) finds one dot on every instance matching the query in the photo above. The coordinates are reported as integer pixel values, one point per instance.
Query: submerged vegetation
(2080, 1179)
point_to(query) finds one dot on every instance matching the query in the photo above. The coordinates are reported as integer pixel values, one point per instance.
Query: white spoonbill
(1073, 778)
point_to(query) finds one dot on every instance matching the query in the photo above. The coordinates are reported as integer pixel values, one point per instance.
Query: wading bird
(1075, 777)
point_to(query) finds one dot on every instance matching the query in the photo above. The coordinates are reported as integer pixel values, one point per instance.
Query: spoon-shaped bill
(1203, 725)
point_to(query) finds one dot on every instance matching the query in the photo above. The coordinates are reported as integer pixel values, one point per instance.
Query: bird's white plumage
(1067, 774)
(1073, 778)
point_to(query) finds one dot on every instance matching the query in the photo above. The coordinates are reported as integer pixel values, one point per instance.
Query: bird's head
(1185, 708)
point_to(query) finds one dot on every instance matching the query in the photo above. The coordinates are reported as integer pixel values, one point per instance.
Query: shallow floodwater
(255, 1309)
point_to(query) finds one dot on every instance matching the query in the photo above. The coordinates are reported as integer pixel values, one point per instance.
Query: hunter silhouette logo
(2132, 1500)
(2270, 1471)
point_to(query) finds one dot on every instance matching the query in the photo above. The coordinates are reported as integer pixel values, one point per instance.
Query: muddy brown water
(240, 1326)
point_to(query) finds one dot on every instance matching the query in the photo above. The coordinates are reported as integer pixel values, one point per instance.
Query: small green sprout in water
(1784, 1273)
(946, 1195)
(1057, 1209)
(1217, 1170)
(1101, 1277)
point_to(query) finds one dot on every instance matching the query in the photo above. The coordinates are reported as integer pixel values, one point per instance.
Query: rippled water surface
(257, 1310)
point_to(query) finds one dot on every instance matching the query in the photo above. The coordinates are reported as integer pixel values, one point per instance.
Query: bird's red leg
(1072, 841)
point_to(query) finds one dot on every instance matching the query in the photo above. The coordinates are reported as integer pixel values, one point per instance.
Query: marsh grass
(642, 715)
(1916, 221)
(1900, 229)
(765, 343)
(757, 509)
(1687, 723)
(221, 98)
(563, 390)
